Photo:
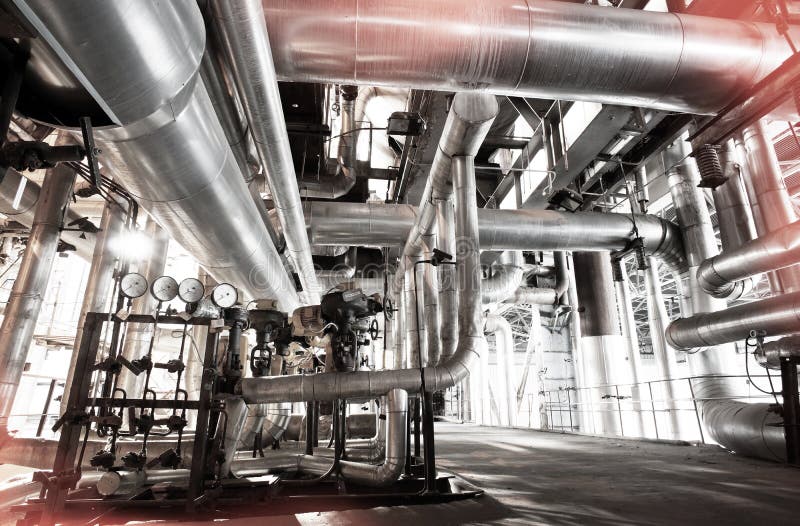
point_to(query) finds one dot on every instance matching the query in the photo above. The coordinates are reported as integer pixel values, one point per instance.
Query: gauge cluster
(166, 288)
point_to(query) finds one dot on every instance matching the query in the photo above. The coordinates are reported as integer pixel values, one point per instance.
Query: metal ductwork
(395, 456)
(368, 384)
(243, 34)
(168, 147)
(549, 50)
(770, 354)
(18, 198)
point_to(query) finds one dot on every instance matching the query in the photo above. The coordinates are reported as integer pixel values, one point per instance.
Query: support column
(633, 358)
(138, 335)
(29, 288)
(100, 283)
(602, 344)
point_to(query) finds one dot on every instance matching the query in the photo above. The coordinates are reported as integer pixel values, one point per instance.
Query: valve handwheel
(388, 308)
(374, 330)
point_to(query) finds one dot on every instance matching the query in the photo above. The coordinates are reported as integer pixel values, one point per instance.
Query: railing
(50, 407)
(659, 409)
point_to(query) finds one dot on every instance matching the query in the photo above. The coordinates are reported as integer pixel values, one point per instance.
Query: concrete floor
(545, 478)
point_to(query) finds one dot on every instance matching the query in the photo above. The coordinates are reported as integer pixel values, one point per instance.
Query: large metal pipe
(448, 299)
(243, 33)
(748, 429)
(368, 384)
(736, 229)
(97, 295)
(395, 456)
(506, 277)
(168, 149)
(549, 49)
(333, 186)
(766, 188)
(468, 121)
(18, 198)
(505, 381)
(375, 224)
(27, 294)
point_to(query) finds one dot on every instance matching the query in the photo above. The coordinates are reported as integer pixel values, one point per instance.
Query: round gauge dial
(133, 285)
(191, 290)
(224, 296)
(164, 288)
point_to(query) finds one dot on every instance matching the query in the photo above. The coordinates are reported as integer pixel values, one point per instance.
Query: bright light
(135, 246)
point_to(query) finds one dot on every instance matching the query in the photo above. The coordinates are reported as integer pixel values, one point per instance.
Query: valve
(103, 459)
(172, 366)
(134, 460)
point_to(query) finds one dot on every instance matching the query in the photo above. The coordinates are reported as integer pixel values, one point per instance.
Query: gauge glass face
(133, 285)
(191, 290)
(164, 288)
(224, 295)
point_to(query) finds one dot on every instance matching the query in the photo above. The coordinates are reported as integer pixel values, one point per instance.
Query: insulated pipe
(766, 188)
(747, 429)
(395, 457)
(770, 354)
(416, 335)
(777, 250)
(328, 186)
(549, 49)
(18, 198)
(97, 295)
(506, 277)
(27, 294)
(168, 149)
(430, 278)
(504, 347)
(214, 73)
(448, 293)
(243, 33)
(468, 121)
(736, 229)
(369, 384)
(533, 296)
(376, 224)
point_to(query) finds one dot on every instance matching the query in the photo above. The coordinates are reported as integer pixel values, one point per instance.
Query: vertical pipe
(430, 277)
(772, 207)
(138, 335)
(101, 278)
(578, 361)
(602, 345)
(736, 226)
(27, 294)
(448, 293)
(747, 429)
(416, 339)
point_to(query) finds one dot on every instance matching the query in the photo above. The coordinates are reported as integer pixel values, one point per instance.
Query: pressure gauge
(191, 290)
(164, 288)
(224, 296)
(133, 285)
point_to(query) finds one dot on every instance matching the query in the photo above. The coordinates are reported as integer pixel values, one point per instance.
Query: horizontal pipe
(532, 48)
(771, 353)
(776, 250)
(376, 224)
